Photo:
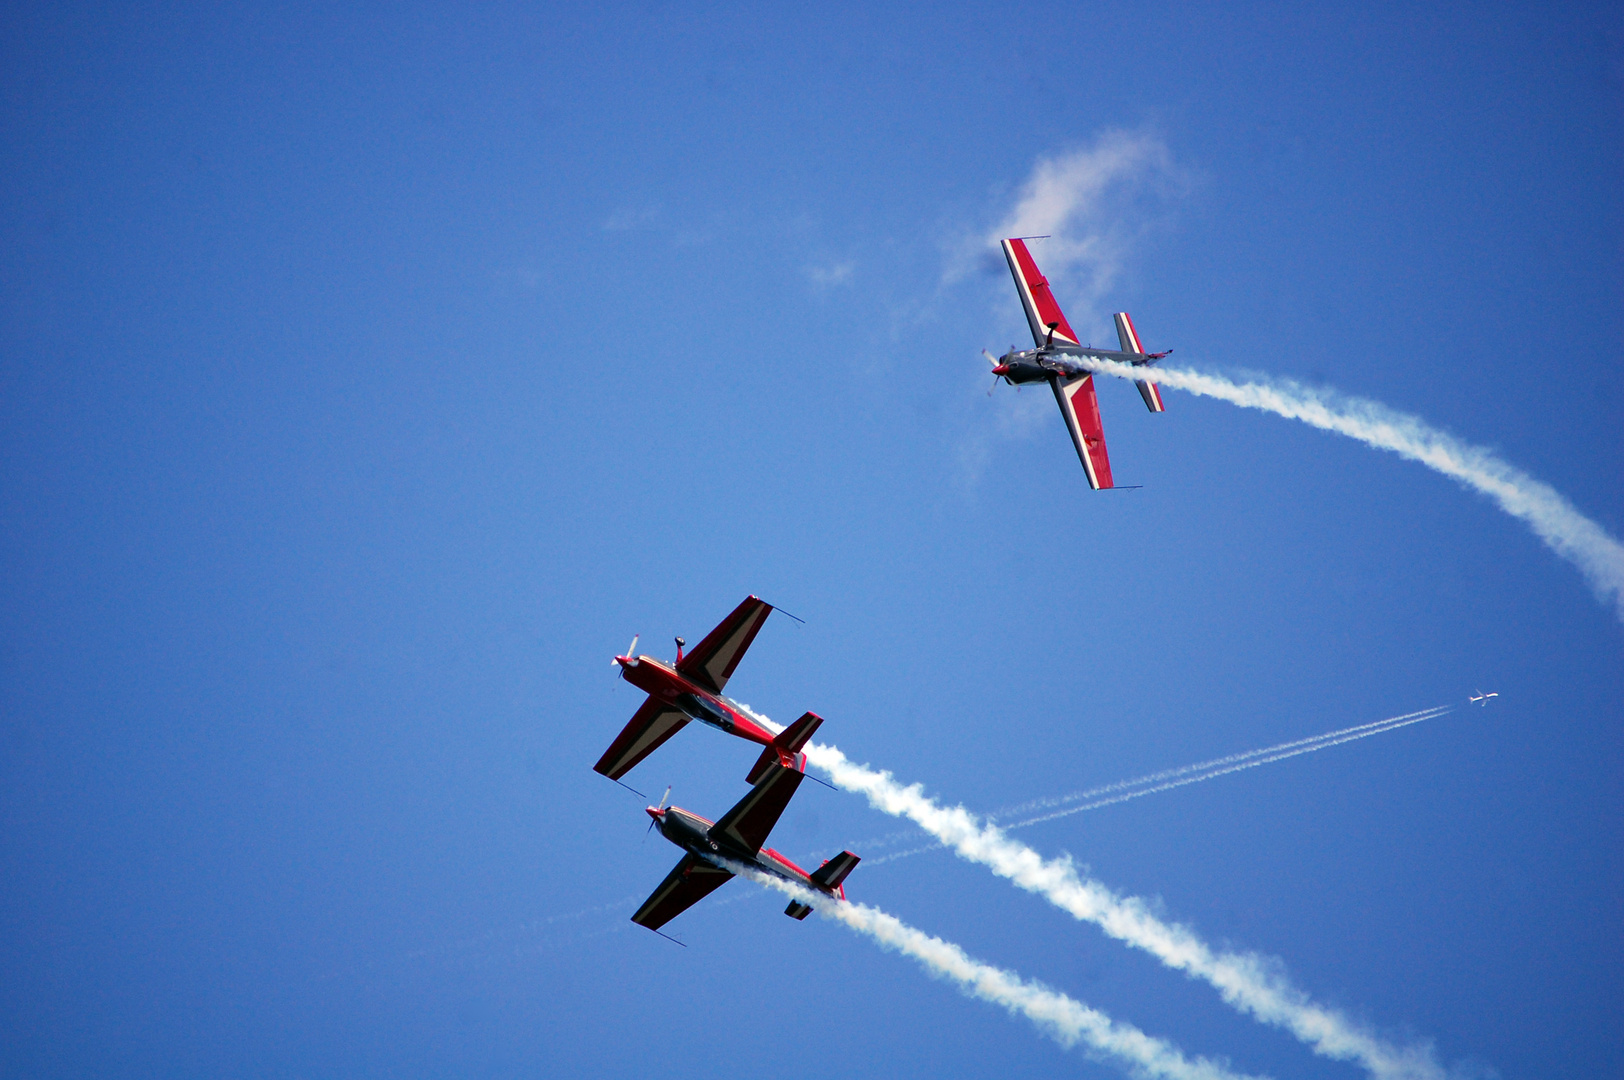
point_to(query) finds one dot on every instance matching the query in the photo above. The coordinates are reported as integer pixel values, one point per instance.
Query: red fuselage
(663, 683)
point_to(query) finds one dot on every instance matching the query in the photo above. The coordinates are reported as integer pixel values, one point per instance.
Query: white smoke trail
(1248, 981)
(1123, 790)
(1064, 1019)
(1570, 534)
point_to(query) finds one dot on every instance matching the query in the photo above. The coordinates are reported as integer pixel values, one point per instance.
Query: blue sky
(369, 375)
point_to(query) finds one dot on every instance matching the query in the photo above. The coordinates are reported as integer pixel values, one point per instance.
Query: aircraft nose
(653, 813)
(1001, 369)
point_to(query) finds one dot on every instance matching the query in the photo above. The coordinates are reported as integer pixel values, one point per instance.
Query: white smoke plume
(1554, 520)
(1249, 982)
(1123, 790)
(1064, 1019)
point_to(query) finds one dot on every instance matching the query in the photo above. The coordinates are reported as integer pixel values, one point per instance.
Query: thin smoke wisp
(1562, 528)
(1252, 983)
(1055, 807)
(1123, 790)
(1063, 1018)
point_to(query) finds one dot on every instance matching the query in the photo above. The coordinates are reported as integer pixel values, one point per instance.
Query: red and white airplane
(691, 689)
(739, 837)
(1053, 361)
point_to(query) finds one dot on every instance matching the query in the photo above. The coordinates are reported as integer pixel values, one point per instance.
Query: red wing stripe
(1036, 298)
(1082, 412)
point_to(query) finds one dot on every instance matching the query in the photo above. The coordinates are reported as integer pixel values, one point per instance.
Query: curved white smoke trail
(1250, 982)
(1566, 531)
(1065, 1019)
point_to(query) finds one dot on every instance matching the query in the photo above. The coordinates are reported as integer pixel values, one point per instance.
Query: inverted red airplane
(738, 837)
(691, 689)
(1053, 362)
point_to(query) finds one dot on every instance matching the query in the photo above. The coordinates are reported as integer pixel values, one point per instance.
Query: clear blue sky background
(370, 374)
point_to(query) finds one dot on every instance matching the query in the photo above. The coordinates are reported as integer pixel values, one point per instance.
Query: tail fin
(1129, 339)
(832, 873)
(785, 750)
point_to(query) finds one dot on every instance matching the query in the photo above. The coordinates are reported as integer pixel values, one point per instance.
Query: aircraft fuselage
(692, 833)
(1036, 365)
(664, 683)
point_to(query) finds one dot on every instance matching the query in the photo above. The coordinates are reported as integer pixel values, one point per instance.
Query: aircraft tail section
(828, 876)
(785, 750)
(832, 873)
(1129, 338)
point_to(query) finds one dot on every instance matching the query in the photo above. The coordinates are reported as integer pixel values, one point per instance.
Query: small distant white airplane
(1480, 698)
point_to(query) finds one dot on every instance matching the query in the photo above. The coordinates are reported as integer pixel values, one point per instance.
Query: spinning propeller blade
(993, 360)
(654, 820)
(631, 650)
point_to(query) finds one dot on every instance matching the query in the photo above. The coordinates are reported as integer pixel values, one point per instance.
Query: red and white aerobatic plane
(691, 689)
(1053, 362)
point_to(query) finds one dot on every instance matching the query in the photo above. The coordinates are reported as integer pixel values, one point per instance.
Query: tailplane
(832, 873)
(828, 876)
(1129, 338)
(785, 750)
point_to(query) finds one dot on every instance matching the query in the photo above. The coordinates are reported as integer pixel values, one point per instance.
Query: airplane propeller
(993, 360)
(652, 818)
(631, 650)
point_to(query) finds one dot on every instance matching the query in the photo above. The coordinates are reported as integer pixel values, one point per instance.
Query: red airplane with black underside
(1055, 361)
(739, 838)
(691, 689)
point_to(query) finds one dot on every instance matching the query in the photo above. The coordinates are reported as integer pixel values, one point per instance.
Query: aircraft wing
(689, 882)
(1082, 412)
(712, 662)
(748, 823)
(650, 726)
(1036, 298)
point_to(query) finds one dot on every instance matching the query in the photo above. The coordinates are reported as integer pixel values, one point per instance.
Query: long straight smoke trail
(1064, 1019)
(1123, 790)
(1249, 982)
(1201, 766)
(1195, 774)
(1570, 534)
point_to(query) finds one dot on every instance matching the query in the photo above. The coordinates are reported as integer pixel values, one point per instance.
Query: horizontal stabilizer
(785, 750)
(1129, 339)
(832, 873)
(797, 910)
